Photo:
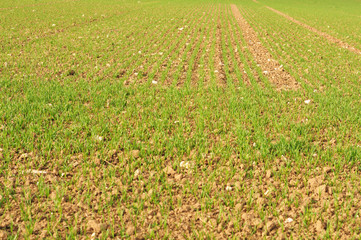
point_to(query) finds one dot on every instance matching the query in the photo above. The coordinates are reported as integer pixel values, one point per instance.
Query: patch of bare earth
(256, 202)
(325, 35)
(270, 67)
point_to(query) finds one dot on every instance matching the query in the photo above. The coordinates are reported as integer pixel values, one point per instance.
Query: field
(202, 119)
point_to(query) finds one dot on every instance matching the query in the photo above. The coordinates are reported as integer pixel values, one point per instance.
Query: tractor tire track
(270, 67)
(330, 38)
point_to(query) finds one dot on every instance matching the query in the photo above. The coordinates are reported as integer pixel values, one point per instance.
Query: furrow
(219, 61)
(228, 54)
(238, 63)
(323, 34)
(251, 69)
(281, 47)
(212, 49)
(207, 59)
(195, 74)
(270, 67)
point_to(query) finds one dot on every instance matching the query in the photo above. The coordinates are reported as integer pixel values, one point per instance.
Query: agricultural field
(202, 119)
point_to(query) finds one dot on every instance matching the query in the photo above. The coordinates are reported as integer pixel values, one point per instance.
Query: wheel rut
(323, 34)
(270, 67)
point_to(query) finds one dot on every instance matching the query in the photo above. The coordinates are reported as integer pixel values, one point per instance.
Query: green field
(203, 119)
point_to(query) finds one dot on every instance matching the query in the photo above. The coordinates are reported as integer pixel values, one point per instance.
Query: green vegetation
(153, 119)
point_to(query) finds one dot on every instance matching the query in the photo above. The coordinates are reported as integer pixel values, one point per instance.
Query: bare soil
(308, 190)
(270, 67)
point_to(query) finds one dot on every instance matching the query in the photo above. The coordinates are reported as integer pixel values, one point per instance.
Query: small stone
(178, 177)
(98, 138)
(238, 206)
(104, 226)
(314, 182)
(261, 201)
(130, 230)
(220, 227)
(94, 225)
(320, 227)
(271, 226)
(268, 173)
(169, 170)
(321, 189)
(136, 173)
(230, 225)
(212, 222)
(3, 235)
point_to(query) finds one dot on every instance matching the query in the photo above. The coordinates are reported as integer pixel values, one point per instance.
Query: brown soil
(314, 193)
(234, 36)
(270, 67)
(325, 35)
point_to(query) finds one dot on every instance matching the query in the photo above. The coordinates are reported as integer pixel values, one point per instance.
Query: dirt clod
(314, 182)
(270, 67)
(135, 153)
(269, 174)
(3, 235)
(95, 226)
(321, 189)
(130, 230)
(169, 170)
(71, 72)
(320, 227)
(271, 226)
